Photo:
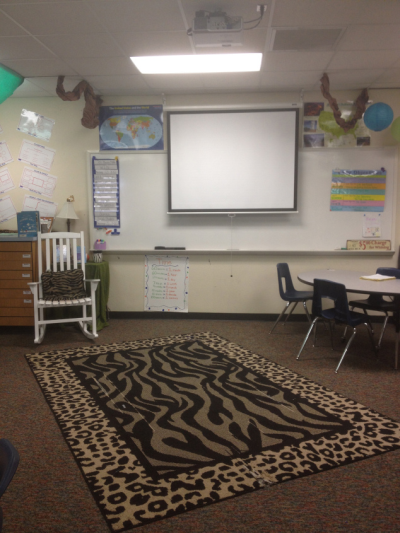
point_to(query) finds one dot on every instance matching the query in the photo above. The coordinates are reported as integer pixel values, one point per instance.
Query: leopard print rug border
(129, 495)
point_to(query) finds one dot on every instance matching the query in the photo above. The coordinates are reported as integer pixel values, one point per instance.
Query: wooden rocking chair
(62, 284)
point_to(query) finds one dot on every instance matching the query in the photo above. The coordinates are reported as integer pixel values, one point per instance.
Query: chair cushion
(65, 285)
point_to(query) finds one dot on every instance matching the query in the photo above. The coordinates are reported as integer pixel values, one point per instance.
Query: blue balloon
(378, 117)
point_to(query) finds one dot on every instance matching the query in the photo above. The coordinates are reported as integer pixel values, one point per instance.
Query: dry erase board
(146, 224)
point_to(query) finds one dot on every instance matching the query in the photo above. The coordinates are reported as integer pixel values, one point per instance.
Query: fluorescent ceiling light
(201, 63)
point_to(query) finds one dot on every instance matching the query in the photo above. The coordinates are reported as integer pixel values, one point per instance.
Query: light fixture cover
(198, 63)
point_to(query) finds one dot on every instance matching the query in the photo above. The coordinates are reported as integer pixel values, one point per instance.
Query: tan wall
(218, 283)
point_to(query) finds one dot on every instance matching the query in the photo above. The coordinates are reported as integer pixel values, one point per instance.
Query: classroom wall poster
(131, 127)
(320, 129)
(166, 283)
(358, 190)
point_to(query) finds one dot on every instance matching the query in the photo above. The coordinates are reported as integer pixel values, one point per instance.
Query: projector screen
(241, 161)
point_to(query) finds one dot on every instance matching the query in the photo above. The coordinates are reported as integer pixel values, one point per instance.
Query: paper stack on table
(378, 277)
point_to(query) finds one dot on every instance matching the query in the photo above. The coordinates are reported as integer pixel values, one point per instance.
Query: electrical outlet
(259, 6)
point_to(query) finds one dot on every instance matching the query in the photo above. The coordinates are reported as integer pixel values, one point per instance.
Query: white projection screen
(241, 161)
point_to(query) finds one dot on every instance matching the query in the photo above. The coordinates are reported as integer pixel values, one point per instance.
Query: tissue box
(100, 245)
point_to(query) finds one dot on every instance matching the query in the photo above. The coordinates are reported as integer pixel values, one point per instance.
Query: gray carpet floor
(48, 493)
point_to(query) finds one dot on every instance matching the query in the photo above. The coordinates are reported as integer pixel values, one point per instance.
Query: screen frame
(236, 112)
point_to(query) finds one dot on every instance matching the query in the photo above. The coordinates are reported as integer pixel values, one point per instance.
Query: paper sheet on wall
(45, 208)
(371, 225)
(7, 209)
(36, 155)
(6, 182)
(166, 283)
(5, 154)
(38, 182)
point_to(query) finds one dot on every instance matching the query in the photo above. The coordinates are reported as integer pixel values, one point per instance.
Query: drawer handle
(26, 275)
(26, 265)
(26, 292)
(26, 256)
(27, 301)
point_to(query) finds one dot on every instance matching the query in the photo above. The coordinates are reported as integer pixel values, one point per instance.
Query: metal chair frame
(290, 295)
(336, 292)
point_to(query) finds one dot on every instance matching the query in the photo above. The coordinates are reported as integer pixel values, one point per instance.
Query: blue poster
(131, 127)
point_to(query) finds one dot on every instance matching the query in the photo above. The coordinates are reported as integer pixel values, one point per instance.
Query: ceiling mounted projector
(216, 29)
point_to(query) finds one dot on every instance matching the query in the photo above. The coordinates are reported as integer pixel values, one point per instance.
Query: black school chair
(340, 312)
(289, 294)
(376, 302)
(9, 460)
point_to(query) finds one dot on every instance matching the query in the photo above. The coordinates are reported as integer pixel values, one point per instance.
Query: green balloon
(395, 129)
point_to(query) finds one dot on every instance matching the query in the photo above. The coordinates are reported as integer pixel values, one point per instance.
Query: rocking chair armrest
(93, 282)
(34, 286)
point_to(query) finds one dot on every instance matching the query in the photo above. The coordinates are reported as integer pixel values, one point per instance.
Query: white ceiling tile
(390, 78)
(174, 81)
(154, 43)
(49, 83)
(8, 27)
(353, 79)
(361, 60)
(288, 61)
(238, 80)
(39, 67)
(22, 48)
(104, 84)
(53, 18)
(371, 37)
(384, 11)
(297, 80)
(28, 89)
(88, 45)
(138, 15)
(306, 13)
(103, 66)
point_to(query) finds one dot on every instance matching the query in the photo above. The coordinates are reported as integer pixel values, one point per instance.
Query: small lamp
(68, 211)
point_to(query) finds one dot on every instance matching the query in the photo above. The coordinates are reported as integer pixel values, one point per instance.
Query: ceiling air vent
(321, 39)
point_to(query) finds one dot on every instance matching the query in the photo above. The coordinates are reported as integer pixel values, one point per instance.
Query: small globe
(378, 117)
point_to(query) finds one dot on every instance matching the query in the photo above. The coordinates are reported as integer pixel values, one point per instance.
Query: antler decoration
(360, 104)
(90, 117)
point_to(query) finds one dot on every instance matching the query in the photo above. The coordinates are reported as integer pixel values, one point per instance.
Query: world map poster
(131, 127)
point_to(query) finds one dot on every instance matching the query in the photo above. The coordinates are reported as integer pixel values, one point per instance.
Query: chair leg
(314, 323)
(331, 333)
(290, 312)
(307, 313)
(371, 337)
(280, 316)
(40, 330)
(382, 331)
(346, 349)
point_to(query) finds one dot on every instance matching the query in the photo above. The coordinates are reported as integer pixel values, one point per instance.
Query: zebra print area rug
(163, 426)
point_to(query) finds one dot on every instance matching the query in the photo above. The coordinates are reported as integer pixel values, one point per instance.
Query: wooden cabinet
(18, 266)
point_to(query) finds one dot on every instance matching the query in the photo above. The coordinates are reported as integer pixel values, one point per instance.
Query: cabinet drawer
(16, 321)
(16, 274)
(16, 311)
(17, 302)
(26, 257)
(23, 293)
(15, 284)
(16, 265)
(16, 246)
